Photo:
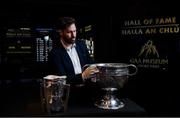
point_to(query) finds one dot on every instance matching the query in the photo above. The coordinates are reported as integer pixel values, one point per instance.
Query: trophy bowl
(111, 77)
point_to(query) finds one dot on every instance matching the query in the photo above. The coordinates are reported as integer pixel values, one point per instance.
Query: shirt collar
(68, 47)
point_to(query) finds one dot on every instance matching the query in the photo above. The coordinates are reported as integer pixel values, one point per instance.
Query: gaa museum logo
(148, 57)
(149, 49)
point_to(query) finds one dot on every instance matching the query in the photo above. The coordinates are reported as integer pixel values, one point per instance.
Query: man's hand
(90, 72)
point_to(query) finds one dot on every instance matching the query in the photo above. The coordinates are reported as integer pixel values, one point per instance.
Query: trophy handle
(132, 66)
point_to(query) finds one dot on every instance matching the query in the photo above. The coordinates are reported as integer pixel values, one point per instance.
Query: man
(70, 55)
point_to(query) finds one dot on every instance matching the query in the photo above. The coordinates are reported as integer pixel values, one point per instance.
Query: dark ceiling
(36, 10)
(40, 7)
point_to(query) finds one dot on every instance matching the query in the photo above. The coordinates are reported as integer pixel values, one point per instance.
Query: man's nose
(73, 35)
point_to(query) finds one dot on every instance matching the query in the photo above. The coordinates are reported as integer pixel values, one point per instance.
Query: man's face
(69, 34)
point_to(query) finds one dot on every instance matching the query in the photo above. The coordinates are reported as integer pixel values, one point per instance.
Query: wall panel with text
(152, 44)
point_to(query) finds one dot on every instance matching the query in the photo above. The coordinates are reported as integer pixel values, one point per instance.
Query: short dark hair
(64, 22)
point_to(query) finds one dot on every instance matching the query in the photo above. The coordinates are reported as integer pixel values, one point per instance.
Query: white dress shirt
(71, 50)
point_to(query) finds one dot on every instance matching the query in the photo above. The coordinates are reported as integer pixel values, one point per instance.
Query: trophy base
(109, 102)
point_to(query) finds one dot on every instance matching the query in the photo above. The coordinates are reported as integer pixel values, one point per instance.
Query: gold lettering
(134, 60)
(11, 47)
(150, 31)
(132, 22)
(132, 32)
(169, 20)
(169, 30)
(155, 61)
(25, 47)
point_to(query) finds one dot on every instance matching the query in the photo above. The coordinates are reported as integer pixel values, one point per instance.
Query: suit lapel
(80, 54)
(67, 61)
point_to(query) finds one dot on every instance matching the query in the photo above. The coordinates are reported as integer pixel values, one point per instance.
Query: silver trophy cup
(54, 94)
(111, 77)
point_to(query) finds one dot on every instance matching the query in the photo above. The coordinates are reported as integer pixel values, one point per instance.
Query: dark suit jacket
(61, 64)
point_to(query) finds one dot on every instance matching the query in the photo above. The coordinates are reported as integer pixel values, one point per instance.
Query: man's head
(67, 29)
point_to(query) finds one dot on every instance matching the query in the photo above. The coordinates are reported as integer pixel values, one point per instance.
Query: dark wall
(155, 89)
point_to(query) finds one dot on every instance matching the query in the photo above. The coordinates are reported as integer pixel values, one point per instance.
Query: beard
(69, 40)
